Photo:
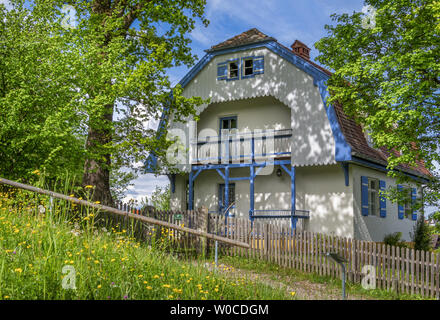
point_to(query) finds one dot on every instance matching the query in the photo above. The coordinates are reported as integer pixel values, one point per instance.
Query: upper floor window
(233, 70)
(248, 67)
(245, 67)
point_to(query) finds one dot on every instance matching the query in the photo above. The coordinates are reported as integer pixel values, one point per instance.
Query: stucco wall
(374, 228)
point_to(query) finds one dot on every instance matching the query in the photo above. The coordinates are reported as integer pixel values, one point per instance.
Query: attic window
(232, 70)
(248, 67)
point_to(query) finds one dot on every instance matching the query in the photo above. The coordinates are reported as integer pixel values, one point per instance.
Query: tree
(387, 76)
(160, 198)
(39, 124)
(421, 235)
(114, 60)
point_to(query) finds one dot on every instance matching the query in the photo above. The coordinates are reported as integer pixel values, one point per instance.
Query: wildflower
(125, 297)
(148, 287)
(170, 296)
(88, 187)
(140, 276)
(292, 293)
(19, 270)
(145, 282)
(99, 286)
(166, 286)
(97, 202)
(6, 297)
(156, 276)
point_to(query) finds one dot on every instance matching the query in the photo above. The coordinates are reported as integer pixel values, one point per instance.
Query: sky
(285, 20)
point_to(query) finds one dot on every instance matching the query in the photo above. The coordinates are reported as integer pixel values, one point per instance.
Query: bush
(422, 235)
(393, 239)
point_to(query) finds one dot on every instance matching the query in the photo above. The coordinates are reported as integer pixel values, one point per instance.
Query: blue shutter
(222, 71)
(364, 195)
(414, 197)
(382, 200)
(400, 208)
(259, 65)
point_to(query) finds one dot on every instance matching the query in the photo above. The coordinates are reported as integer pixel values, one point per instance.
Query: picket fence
(402, 270)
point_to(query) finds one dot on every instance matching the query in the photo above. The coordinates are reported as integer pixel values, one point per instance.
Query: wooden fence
(403, 270)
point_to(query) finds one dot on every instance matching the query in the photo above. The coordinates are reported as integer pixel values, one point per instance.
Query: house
(268, 146)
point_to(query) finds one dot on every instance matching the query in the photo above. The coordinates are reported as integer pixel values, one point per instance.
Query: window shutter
(222, 71)
(259, 65)
(400, 208)
(382, 200)
(414, 197)
(364, 195)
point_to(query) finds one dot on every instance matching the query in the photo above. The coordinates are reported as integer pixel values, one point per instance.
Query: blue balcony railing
(239, 147)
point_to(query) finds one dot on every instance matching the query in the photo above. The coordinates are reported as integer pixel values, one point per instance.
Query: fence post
(203, 226)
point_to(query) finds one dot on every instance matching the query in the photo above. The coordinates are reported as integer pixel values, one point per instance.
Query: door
(226, 123)
(221, 197)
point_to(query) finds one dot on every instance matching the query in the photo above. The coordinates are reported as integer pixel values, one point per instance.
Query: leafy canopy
(387, 76)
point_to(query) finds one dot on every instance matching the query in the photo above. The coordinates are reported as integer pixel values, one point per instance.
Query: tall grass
(38, 239)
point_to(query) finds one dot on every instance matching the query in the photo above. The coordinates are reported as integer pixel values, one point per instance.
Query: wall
(374, 228)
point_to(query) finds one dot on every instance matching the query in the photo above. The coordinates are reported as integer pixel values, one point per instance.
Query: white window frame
(229, 69)
(244, 67)
(373, 197)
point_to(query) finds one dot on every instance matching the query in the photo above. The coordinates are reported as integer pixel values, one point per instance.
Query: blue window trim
(238, 71)
(254, 72)
(226, 118)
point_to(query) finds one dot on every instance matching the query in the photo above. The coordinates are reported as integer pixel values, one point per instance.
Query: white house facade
(268, 146)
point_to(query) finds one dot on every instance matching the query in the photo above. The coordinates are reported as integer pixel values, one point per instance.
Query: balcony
(242, 147)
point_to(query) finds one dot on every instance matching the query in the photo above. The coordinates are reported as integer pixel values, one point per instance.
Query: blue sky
(282, 19)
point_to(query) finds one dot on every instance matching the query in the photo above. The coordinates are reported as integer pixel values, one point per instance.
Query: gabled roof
(251, 36)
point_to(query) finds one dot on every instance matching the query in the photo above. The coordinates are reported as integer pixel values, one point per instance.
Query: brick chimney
(301, 49)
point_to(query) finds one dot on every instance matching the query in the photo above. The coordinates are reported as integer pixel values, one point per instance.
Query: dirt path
(304, 290)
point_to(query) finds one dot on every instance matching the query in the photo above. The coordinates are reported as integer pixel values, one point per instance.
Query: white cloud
(7, 4)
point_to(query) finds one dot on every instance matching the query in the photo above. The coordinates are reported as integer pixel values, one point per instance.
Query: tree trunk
(97, 167)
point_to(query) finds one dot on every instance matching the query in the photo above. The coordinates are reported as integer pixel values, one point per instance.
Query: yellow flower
(166, 286)
(292, 293)
(155, 276)
(145, 282)
(19, 270)
(113, 260)
(140, 276)
(71, 195)
(97, 202)
(6, 297)
(88, 187)
(99, 286)
(148, 287)
(170, 296)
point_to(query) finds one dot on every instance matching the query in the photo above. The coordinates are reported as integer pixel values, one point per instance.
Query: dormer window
(233, 70)
(248, 67)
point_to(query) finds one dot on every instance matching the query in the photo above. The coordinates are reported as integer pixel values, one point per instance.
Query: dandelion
(140, 276)
(19, 270)
(166, 286)
(148, 287)
(99, 286)
(97, 202)
(292, 293)
(88, 187)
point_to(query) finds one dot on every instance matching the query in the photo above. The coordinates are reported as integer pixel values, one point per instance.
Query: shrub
(421, 235)
(393, 239)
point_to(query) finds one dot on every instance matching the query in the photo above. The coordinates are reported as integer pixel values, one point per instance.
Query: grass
(36, 245)
(275, 271)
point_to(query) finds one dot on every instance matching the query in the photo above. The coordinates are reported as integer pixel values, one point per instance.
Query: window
(407, 204)
(221, 195)
(233, 70)
(373, 196)
(228, 123)
(372, 200)
(248, 67)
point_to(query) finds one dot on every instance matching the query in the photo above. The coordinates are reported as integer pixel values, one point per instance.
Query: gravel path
(303, 289)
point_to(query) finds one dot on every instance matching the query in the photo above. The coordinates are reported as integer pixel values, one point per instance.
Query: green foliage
(387, 78)
(421, 235)
(393, 239)
(78, 97)
(160, 198)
